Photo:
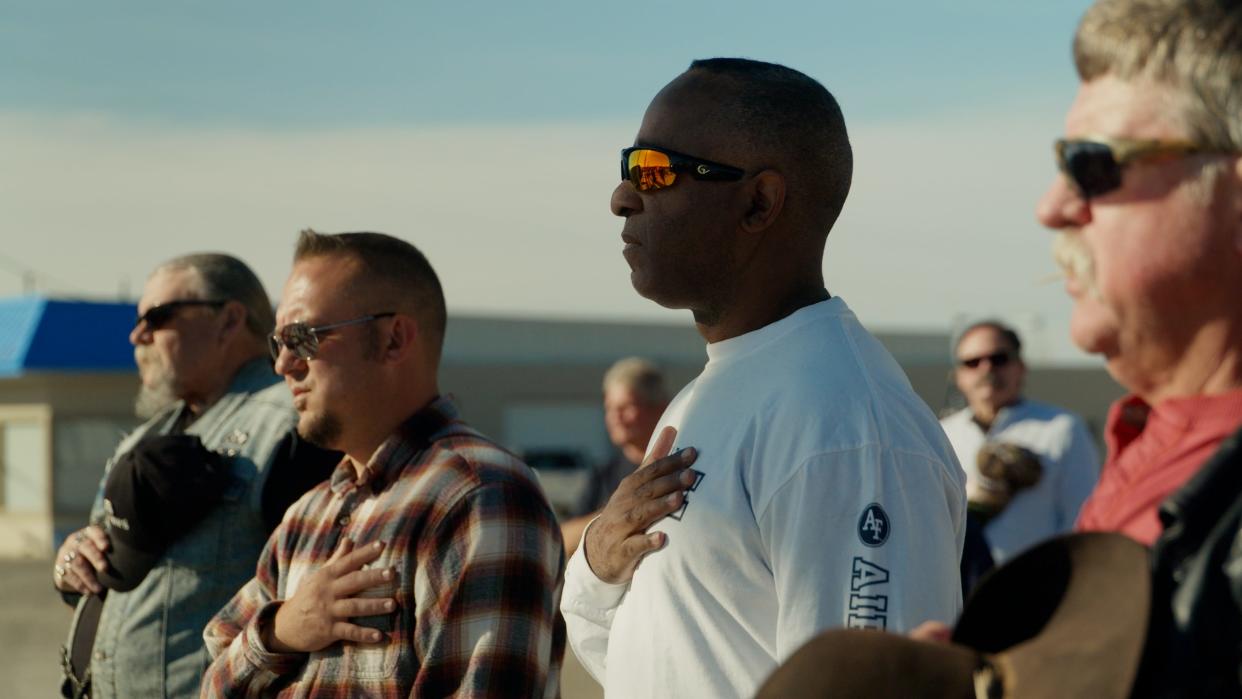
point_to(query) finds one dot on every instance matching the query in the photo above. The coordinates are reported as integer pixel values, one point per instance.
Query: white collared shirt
(1069, 459)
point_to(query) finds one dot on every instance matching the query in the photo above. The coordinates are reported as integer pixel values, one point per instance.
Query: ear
(401, 340)
(232, 320)
(766, 191)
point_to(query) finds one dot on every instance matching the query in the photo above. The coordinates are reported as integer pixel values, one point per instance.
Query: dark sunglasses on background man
(655, 168)
(157, 317)
(996, 359)
(303, 340)
(1094, 164)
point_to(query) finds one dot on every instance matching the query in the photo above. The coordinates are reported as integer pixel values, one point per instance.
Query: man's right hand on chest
(318, 613)
(617, 540)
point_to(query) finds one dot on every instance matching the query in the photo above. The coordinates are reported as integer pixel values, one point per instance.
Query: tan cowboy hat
(1065, 619)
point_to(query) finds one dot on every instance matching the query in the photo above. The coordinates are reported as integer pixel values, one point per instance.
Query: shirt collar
(1002, 417)
(411, 437)
(1222, 408)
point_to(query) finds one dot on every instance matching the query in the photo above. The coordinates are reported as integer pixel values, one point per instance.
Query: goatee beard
(322, 431)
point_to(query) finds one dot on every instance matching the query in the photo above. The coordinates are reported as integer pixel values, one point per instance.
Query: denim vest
(150, 640)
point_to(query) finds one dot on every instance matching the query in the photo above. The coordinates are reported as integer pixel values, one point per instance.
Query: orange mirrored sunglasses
(655, 168)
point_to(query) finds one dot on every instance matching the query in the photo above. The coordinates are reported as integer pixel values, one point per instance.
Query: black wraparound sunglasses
(157, 317)
(1094, 164)
(656, 168)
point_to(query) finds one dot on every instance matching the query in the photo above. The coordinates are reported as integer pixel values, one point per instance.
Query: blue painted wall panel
(38, 334)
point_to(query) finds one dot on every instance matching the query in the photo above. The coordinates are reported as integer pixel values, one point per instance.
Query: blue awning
(41, 334)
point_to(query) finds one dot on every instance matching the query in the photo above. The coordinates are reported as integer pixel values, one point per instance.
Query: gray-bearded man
(200, 342)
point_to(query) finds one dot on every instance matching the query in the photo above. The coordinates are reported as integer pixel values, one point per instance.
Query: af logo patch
(873, 526)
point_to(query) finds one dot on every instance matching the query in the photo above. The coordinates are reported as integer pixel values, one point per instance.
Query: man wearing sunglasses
(430, 562)
(813, 488)
(1147, 225)
(200, 345)
(1063, 465)
(1148, 219)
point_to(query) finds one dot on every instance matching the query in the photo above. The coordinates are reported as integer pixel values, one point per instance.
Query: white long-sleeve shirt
(829, 497)
(1066, 452)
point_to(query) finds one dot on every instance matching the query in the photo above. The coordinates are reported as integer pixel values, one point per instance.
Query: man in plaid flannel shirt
(429, 564)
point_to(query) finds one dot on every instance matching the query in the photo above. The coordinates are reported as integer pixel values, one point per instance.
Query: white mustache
(1075, 260)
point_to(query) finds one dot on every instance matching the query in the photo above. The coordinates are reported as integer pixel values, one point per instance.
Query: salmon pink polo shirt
(1153, 451)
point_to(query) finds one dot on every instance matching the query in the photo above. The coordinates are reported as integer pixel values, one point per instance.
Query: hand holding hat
(79, 560)
(155, 494)
(1004, 471)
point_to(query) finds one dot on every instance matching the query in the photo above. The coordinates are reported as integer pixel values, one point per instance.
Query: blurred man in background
(634, 398)
(1029, 465)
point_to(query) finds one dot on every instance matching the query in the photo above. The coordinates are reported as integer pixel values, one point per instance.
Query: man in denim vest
(200, 346)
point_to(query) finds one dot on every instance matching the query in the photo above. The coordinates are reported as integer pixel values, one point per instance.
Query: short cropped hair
(1191, 46)
(224, 277)
(1007, 333)
(641, 376)
(390, 261)
(781, 110)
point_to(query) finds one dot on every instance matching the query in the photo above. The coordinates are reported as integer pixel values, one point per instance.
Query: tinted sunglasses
(303, 340)
(996, 359)
(655, 168)
(157, 317)
(1094, 164)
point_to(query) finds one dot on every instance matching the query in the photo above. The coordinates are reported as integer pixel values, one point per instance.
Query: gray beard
(153, 401)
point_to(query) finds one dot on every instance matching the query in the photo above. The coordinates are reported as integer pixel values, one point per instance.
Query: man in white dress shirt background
(1050, 448)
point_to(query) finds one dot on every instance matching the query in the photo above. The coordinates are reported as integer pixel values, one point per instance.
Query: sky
(487, 134)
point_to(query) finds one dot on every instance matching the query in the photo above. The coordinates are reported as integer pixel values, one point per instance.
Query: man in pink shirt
(1148, 218)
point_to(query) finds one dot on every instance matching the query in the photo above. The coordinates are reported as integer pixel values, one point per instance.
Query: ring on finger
(59, 570)
(79, 537)
(70, 556)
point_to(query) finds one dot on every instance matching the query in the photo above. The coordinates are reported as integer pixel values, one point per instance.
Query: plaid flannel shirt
(479, 565)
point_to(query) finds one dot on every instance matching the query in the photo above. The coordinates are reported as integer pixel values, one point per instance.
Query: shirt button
(100, 655)
(343, 520)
